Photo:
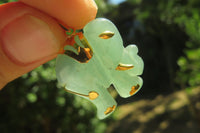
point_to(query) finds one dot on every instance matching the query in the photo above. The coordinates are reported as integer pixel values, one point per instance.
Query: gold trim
(92, 94)
(106, 35)
(109, 110)
(76, 93)
(134, 89)
(123, 67)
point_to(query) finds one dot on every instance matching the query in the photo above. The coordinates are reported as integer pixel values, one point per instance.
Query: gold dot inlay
(123, 67)
(134, 89)
(93, 95)
(106, 35)
(109, 110)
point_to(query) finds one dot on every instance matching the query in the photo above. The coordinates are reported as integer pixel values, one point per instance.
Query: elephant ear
(126, 75)
(131, 58)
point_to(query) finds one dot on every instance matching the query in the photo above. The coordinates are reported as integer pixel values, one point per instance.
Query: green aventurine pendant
(95, 62)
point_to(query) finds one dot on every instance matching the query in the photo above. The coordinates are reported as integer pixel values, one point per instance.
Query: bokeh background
(167, 33)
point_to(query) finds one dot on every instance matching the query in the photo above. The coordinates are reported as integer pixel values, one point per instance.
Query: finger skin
(71, 13)
(9, 13)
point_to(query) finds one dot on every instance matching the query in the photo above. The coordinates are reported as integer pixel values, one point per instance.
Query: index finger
(70, 13)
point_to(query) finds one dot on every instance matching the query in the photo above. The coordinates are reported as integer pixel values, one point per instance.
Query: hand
(30, 33)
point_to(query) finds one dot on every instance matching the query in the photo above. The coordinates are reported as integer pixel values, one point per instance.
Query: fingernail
(28, 39)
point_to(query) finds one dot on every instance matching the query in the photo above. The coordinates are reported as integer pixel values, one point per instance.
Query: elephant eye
(106, 35)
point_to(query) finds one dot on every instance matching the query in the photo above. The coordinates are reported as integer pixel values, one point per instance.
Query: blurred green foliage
(167, 33)
(186, 15)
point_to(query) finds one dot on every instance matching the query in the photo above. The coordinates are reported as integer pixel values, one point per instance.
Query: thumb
(28, 38)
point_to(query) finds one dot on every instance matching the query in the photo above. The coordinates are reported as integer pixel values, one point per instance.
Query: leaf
(110, 63)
